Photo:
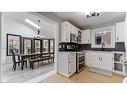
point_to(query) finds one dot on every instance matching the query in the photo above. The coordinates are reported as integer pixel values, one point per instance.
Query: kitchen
(87, 48)
(99, 50)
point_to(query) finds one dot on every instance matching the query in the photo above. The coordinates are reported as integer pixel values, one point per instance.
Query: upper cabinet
(120, 32)
(65, 32)
(69, 33)
(86, 36)
(103, 36)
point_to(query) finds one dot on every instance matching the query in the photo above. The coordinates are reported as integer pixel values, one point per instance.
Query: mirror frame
(7, 43)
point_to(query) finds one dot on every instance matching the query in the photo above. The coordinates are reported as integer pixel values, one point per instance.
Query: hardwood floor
(84, 76)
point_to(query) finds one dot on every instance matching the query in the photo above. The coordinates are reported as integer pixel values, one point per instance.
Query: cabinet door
(107, 62)
(68, 31)
(120, 32)
(86, 36)
(72, 63)
(95, 61)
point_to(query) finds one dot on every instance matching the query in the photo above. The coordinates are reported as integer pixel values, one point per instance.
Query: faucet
(103, 45)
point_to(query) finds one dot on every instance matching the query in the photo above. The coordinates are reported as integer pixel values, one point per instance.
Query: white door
(68, 31)
(72, 63)
(107, 62)
(95, 60)
(120, 32)
(86, 36)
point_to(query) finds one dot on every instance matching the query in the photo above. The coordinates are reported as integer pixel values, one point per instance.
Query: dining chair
(15, 62)
(22, 61)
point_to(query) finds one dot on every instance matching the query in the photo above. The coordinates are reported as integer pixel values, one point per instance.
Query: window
(104, 36)
(98, 38)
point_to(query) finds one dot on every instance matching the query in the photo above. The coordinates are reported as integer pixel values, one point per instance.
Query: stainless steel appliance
(68, 46)
(80, 59)
(73, 38)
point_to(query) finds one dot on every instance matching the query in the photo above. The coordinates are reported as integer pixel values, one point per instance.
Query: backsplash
(119, 46)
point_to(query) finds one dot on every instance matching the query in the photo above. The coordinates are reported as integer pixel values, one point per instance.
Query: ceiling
(47, 27)
(79, 18)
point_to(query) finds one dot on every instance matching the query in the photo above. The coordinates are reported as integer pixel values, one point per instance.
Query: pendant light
(38, 32)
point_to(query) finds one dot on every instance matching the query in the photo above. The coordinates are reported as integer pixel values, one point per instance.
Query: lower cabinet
(67, 63)
(101, 60)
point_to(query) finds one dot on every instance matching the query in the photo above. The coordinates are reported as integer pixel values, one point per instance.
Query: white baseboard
(40, 78)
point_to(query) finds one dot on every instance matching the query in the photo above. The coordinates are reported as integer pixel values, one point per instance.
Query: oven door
(80, 63)
(81, 59)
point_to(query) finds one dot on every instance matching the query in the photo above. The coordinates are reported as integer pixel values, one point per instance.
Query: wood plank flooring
(84, 76)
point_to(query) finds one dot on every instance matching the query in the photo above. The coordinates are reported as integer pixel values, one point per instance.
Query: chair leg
(32, 66)
(22, 65)
(26, 64)
(14, 67)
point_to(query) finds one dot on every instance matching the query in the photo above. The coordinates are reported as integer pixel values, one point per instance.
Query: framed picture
(13, 43)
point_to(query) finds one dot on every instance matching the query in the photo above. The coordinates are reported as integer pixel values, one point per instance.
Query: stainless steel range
(80, 59)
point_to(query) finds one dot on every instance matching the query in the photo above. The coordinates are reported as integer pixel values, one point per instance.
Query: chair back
(13, 56)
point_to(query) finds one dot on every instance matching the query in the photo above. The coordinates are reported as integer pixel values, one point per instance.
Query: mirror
(45, 45)
(13, 43)
(51, 45)
(27, 45)
(37, 45)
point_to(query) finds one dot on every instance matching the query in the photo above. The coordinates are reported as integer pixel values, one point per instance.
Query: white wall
(0, 47)
(126, 34)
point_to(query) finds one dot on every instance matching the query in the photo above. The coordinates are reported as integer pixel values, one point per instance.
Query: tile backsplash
(119, 46)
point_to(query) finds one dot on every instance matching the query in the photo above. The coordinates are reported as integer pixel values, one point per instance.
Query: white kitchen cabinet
(66, 30)
(86, 36)
(102, 60)
(67, 63)
(95, 62)
(120, 32)
(88, 58)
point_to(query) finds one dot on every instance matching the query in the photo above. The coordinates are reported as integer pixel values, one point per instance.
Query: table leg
(22, 63)
(32, 65)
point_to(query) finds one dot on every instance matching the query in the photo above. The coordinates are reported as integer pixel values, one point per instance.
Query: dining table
(27, 56)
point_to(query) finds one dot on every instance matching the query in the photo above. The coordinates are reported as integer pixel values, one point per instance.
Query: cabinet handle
(101, 58)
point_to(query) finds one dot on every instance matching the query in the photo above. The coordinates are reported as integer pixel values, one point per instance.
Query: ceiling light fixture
(32, 23)
(93, 14)
(38, 36)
